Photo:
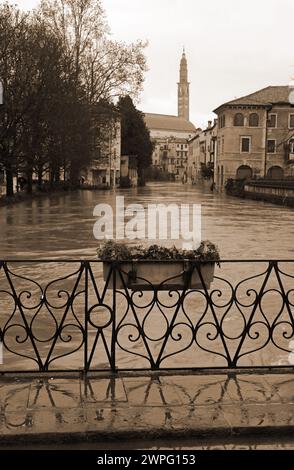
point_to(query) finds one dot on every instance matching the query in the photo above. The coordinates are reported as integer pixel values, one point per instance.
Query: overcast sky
(233, 47)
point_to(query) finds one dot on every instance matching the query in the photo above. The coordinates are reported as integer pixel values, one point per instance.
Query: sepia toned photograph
(146, 232)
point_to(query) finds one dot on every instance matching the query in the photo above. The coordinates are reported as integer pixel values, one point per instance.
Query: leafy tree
(49, 92)
(44, 125)
(135, 135)
(102, 69)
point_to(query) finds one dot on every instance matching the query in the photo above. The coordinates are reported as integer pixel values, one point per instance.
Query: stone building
(255, 136)
(171, 156)
(104, 168)
(202, 153)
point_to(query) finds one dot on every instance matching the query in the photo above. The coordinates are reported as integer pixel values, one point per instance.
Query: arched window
(244, 172)
(275, 173)
(253, 120)
(239, 120)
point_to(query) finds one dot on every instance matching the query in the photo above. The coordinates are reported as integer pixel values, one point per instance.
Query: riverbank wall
(273, 191)
(277, 192)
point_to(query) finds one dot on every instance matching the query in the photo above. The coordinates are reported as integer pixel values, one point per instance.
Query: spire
(183, 88)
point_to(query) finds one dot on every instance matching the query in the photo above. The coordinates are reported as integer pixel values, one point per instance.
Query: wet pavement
(139, 408)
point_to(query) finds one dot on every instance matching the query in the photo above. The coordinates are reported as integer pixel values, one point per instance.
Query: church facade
(171, 134)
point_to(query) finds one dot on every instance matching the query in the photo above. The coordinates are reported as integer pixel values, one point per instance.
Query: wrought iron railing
(62, 315)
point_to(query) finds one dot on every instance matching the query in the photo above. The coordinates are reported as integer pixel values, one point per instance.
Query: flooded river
(61, 227)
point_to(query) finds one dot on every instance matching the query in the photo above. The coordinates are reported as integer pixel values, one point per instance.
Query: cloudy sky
(233, 47)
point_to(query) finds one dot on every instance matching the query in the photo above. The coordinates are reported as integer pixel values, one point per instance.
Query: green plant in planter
(158, 266)
(112, 251)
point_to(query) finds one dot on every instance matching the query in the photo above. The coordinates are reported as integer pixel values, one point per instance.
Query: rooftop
(168, 123)
(263, 97)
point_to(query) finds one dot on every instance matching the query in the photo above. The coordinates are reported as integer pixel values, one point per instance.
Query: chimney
(209, 124)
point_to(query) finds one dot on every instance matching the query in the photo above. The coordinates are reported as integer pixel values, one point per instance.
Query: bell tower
(183, 89)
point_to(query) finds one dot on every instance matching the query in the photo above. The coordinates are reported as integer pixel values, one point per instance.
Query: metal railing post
(113, 335)
(86, 367)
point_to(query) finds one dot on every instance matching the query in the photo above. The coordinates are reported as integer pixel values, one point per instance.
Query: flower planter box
(162, 275)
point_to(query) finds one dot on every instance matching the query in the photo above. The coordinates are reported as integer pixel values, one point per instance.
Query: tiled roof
(168, 123)
(268, 95)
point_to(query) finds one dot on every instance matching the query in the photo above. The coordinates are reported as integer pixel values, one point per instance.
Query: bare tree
(112, 69)
(104, 68)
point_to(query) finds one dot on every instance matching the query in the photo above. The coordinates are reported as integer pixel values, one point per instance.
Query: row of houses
(251, 137)
(170, 136)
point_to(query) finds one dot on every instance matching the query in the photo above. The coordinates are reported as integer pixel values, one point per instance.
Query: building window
(271, 146)
(272, 120)
(245, 144)
(291, 121)
(222, 121)
(253, 120)
(239, 120)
